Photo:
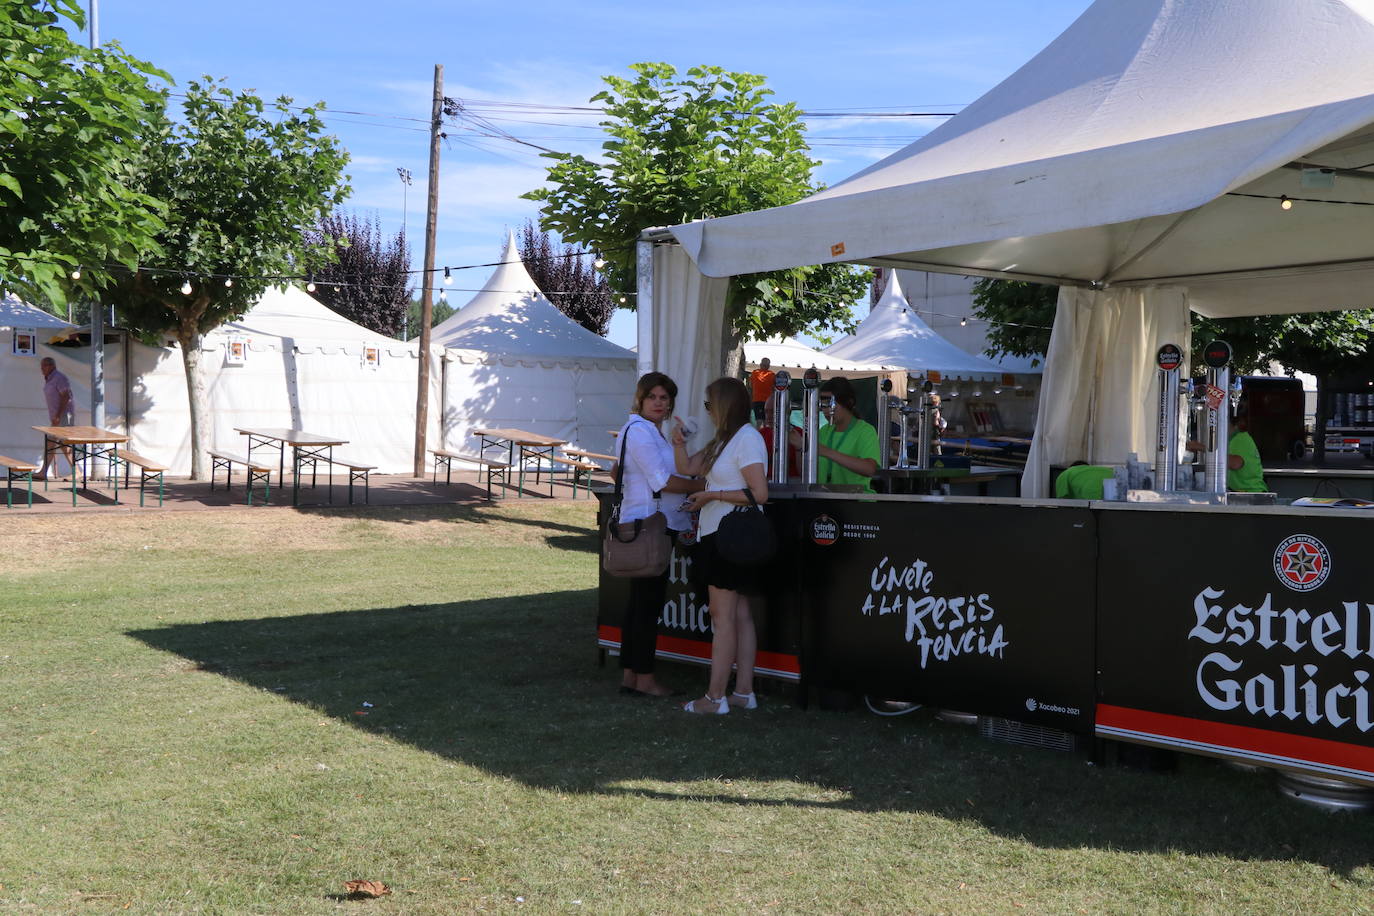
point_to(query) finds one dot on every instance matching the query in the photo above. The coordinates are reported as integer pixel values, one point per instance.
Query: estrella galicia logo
(824, 530)
(1302, 562)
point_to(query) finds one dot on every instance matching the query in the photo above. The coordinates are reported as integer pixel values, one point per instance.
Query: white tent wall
(566, 400)
(319, 388)
(1100, 388)
(945, 303)
(21, 394)
(683, 340)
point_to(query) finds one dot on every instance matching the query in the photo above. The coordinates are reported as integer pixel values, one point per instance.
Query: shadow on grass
(511, 685)
(478, 513)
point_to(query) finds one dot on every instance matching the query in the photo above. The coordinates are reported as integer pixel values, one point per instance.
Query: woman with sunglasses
(734, 459)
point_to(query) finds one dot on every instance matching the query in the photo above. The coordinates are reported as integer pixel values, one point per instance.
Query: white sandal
(746, 700)
(722, 707)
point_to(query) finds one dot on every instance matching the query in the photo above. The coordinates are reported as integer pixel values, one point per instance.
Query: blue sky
(377, 61)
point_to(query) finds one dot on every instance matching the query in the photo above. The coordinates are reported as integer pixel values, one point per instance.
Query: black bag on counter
(745, 536)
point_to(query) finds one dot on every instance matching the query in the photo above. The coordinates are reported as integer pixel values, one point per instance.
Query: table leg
(295, 475)
(329, 473)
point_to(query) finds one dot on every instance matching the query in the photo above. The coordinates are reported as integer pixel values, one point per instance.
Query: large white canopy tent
(298, 364)
(895, 335)
(1139, 162)
(303, 366)
(21, 385)
(515, 360)
(790, 353)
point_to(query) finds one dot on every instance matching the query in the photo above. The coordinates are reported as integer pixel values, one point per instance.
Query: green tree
(369, 280)
(706, 144)
(240, 182)
(71, 121)
(567, 279)
(440, 312)
(1019, 316)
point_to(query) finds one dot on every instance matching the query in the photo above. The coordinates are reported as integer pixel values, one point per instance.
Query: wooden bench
(257, 472)
(148, 471)
(491, 468)
(581, 471)
(355, 472)
(16, 468)
(588, 456)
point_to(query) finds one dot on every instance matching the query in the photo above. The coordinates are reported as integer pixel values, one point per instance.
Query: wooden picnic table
(533, 446)
(305, 447)
(86, 442)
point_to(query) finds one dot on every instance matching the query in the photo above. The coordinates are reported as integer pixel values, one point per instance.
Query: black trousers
(639, 631)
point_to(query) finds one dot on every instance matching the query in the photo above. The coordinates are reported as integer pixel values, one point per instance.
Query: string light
(228, 282)
(599, 263)
(963, 322)
(448, 277)
(76, 274)
(310, 284)
(443, 295)
(622, 300)
(186, 288)
(1285, 203)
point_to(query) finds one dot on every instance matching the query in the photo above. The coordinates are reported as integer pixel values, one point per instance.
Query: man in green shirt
(1081, 481)
(848, 446)
(1244, 473)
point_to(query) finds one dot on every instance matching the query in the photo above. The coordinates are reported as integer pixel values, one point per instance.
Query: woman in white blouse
(648, 471)
(733, 460)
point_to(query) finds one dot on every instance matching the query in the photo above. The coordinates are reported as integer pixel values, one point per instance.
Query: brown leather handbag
(638, 549)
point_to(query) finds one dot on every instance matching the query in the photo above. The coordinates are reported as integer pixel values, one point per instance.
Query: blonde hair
(730, 408)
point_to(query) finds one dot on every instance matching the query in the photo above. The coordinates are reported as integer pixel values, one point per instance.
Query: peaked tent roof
(289, 311)
(895, 335)
(1122, 154)
(16, 313)
(511, 317)
(788, 351)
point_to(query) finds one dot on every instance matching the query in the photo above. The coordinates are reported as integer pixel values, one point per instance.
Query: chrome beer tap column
(811, 381)
(1169, 359)
(924, 427)
(1217, 356)
(778, 424)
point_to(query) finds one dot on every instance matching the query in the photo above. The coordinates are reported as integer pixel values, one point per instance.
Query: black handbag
(634, 550)
(745, 536)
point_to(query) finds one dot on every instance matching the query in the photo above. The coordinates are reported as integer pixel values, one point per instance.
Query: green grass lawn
(237, 711)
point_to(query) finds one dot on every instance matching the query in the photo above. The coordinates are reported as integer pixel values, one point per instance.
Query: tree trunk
(731, 346)
(189, 339)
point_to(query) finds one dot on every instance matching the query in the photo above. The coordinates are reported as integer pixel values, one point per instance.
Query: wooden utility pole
(427, 296)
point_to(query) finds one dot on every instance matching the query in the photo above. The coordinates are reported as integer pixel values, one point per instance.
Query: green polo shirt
(1249, 477)
(1082, 481)
(860, 440)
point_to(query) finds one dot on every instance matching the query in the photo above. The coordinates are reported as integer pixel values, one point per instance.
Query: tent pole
(644, 305)
(427, 297)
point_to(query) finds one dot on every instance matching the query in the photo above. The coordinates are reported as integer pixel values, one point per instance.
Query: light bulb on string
(76, 274)
(443, 295)
(186, 288)
(228, 282)
(310, 284)
(963, 322)
(448, 276)
(599, 263)
(622, 300)
(1285, 203)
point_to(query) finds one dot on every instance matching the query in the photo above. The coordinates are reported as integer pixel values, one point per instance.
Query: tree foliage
(568, 278)
(704, 144)
(1020, 316)
(240, 183)
(369, 280)
(71, 122)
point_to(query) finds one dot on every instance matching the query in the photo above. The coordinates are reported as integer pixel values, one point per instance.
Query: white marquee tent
(21, 384)
(515, 360)
(1139, 161)
(289, 362)
(790, 353)
(895, 335)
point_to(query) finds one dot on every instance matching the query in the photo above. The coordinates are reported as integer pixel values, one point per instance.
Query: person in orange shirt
(761, 388)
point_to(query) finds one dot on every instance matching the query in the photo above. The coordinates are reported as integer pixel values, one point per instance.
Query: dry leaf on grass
(365, 890)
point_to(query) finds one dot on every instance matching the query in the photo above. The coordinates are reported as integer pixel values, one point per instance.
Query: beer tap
(782, 383)
(811, 381)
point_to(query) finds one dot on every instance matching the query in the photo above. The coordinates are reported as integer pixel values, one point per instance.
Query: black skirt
(709, 566)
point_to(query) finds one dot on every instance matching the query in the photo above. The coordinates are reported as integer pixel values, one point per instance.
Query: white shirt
(744, 448)
(648, 465)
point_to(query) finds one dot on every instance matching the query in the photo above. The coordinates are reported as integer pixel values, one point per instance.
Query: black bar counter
(1239, 632)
